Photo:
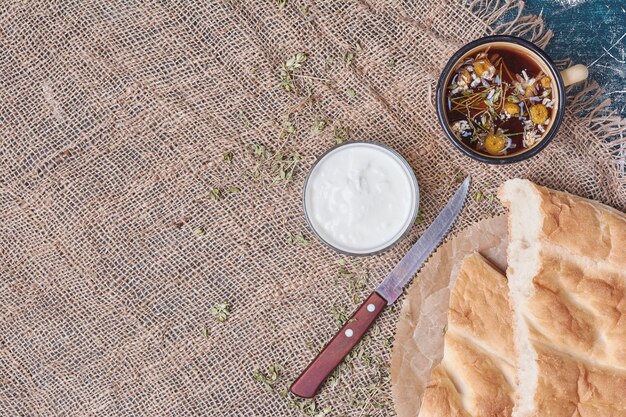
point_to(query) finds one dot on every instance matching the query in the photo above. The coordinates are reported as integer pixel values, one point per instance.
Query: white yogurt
(360, 198)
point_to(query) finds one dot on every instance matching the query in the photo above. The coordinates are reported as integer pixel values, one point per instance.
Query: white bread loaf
(476, 375)
(567, 279)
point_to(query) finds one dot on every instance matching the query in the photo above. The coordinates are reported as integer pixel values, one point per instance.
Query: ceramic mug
(529, 51)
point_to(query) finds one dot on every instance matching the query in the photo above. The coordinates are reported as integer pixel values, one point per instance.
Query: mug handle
(574, 74)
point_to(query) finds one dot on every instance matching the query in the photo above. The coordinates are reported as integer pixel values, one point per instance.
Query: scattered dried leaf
(479, 196)
(283, 166)
(340, 134)
(318, 127)
(279, 166)
(268, 377)
(298, 239)
(220, 311)
(339, 314)
(289, 68)
(288, 129)
(419, 219)
(216, 194)
(348, 58)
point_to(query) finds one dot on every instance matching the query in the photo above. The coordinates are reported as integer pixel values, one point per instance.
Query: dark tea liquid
(508, 63)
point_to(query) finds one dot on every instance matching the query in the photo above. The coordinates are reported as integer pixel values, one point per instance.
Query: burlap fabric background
(115, 244)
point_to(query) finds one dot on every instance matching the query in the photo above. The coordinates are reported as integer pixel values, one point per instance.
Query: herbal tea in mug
(499, 101)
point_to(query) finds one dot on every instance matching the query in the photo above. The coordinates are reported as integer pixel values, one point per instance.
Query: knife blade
(310, 380)
(392, 286)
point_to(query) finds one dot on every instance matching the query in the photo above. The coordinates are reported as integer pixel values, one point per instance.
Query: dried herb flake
(419, 219)
(298, 239)
(216, 194)
(479, 196)
(220, 311)
(289, 69)
(348, 58)
(340, 134)
(318, 127)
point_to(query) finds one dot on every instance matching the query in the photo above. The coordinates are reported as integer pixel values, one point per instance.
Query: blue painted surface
(591, 33)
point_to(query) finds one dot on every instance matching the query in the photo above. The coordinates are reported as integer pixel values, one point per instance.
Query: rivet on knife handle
(322, 366)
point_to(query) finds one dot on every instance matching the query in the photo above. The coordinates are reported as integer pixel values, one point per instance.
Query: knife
(310, 380)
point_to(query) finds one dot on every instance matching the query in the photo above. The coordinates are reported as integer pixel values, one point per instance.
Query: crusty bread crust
(571, 297)
(583, 228)
(569, 387)
(476, 374)
(441, 397)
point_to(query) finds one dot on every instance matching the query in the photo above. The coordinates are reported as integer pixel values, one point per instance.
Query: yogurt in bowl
(360, 198)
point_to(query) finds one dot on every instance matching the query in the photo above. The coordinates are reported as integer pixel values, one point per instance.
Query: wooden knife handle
(315, 374)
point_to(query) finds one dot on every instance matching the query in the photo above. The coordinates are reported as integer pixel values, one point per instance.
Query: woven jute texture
(120, 222)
